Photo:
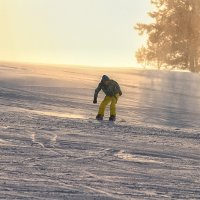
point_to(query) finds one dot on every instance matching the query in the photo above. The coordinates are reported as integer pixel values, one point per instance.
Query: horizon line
(66, 64)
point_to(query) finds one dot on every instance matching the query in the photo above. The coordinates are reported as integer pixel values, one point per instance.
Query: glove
(120, 93)
(94, 101)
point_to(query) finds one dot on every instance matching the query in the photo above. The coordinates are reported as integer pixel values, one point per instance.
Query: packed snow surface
(52, 148)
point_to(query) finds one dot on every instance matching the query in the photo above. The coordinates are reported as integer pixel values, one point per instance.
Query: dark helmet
(105, 78)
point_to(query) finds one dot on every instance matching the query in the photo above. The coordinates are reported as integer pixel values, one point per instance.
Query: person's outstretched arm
(98, 89)
(117, 88)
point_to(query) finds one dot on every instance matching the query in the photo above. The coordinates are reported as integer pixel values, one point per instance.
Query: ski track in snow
(51, 148)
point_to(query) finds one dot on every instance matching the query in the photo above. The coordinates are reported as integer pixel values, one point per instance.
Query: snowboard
(106, 121)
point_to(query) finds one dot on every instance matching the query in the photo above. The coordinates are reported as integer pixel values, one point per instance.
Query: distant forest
(173, 37)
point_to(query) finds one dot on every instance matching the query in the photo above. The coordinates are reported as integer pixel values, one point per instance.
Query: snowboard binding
(112, 118)
(99, 117)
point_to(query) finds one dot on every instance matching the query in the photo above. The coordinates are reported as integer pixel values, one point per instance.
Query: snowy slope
(51, 148)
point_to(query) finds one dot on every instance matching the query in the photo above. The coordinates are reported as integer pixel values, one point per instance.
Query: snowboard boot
(99, 117)
(112, 118)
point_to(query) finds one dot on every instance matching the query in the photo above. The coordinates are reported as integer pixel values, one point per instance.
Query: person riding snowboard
(112, 91)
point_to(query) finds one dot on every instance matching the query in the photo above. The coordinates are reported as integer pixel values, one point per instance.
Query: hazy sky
(83, 32)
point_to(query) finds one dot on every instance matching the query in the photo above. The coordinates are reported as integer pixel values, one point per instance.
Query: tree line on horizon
(173, 37)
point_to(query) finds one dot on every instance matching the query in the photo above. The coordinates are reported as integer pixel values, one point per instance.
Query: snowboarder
(112, 91)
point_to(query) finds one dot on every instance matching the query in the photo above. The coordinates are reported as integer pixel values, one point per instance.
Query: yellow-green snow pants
(108, 99)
